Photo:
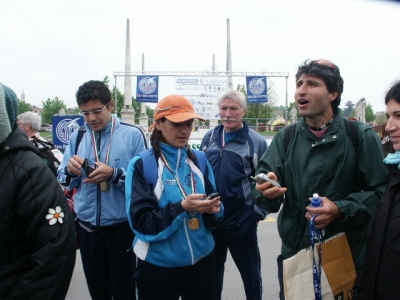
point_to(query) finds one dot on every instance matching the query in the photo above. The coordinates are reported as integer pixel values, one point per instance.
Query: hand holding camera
(87, 167)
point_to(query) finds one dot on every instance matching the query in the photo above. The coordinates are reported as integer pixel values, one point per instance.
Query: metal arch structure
(204, 73)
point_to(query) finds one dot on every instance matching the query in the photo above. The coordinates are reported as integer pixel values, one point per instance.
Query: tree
(23, 107)
(260, 110)
(291, 105)
(119, 101)
(74, 111)
(369, 113)
(106, 81)
(136, 105)
(51, 107)
(380, 118)
(349, 109)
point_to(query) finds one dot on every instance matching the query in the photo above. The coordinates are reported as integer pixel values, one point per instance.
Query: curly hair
(93, 90)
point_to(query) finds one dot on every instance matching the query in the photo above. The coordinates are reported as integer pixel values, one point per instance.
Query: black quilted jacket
(37, 239)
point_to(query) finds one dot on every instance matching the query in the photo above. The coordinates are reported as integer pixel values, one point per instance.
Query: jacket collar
(240, 137)
(17, 140)
(174, 155)
(333, 127)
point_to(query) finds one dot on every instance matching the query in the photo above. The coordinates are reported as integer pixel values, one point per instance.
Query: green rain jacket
(327, 166)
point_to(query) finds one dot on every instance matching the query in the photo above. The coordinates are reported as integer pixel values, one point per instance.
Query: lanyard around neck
(192, 183)
(223, 135)
(316, 234)
(96, 151)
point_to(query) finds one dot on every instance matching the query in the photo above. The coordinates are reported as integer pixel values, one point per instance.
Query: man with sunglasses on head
(320, 158)
(104, 234)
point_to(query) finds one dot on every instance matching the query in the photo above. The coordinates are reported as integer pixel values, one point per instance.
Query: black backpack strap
(288, 135)
(352, 133)
(44, 144)
(81, 132)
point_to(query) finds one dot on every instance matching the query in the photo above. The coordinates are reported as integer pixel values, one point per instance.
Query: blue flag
(147, 89)
(256, 89)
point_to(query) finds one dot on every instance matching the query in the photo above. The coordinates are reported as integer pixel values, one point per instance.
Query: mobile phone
(87, 167)
(261, 178)
(212, 195)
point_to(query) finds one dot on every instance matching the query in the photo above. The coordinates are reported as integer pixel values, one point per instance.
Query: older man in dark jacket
(37, 239)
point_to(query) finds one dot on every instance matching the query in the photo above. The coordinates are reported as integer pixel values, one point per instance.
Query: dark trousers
(242, 243)
(191, 282)
(108, 262)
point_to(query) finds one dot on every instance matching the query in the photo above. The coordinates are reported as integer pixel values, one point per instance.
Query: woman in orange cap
(168, 209)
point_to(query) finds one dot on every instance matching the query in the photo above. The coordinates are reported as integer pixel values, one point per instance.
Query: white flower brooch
(55, 215)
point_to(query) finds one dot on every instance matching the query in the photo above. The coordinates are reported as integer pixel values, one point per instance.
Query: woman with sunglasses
(169, 211)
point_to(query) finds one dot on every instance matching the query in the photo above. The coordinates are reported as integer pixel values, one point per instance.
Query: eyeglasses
(96, 111)
(322, 62)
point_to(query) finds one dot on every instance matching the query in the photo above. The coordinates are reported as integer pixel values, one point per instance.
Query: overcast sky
(48, 48)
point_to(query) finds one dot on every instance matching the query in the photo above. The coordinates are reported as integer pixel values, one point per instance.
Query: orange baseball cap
(175, 108)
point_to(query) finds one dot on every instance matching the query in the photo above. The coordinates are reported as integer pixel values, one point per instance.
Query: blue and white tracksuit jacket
(91, 204)
(233, 165)
(157, 217)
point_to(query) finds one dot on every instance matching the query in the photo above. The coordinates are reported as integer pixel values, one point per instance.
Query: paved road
(269, 242)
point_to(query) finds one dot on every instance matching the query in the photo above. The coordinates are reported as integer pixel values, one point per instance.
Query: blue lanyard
(316, 234)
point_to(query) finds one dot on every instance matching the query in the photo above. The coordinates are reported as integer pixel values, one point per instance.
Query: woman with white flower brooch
(37, 234)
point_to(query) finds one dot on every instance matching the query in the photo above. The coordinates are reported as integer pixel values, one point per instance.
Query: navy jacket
(233, 164)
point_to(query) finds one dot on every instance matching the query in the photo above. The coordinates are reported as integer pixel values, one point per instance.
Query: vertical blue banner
(147, 89)
(256, 89)
(63, 127)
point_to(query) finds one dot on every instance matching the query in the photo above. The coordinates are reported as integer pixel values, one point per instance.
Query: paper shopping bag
(298, 278)
(338, 265)
(337, 273)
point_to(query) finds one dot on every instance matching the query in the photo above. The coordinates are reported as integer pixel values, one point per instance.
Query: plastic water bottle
(315, 202)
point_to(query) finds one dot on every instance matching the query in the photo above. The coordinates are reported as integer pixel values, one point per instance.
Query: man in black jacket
(37, 237)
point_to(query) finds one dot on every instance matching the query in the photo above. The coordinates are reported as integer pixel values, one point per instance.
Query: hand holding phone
(87, 167)
(261, 178)
(212, 195)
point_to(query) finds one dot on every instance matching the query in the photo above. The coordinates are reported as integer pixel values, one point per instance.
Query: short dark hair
(93, 90)
(393, 93)
(329, 73)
